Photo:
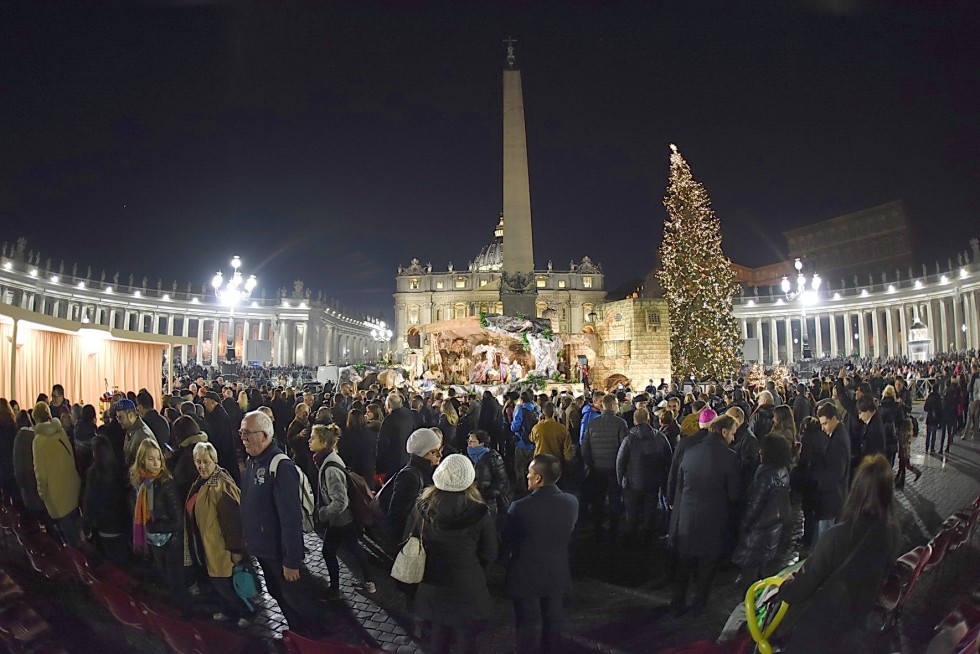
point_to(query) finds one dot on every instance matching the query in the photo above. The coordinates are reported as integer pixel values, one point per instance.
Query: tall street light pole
(805, 296)
(230, 293)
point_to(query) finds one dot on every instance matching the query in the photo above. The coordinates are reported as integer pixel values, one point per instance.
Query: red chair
(898, 587)
(122, 607)
(296, 644)
(940, 543)
(22, 624)
(106, 572)
(966, 612)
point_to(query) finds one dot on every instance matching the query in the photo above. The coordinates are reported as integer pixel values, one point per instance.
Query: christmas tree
(698, 281)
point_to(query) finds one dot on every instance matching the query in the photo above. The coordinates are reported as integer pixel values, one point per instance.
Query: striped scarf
(143, 512)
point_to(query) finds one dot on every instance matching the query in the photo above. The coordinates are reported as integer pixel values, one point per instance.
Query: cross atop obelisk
(518, 290)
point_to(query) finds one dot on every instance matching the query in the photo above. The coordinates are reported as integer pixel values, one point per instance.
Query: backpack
(306, 502)
(360, 498)
(527, 423)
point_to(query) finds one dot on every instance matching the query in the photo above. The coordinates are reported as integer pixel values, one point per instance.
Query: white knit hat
(455, 474)
(422, 441)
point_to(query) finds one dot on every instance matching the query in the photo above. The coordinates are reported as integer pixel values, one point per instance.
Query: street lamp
(805, 297)
(381, 334)
(230, 293)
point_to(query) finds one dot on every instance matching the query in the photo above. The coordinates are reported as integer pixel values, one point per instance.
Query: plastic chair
(191, 638)
(105, 572)
(22, 624)
(9, 589)
(122, 607)
(898, 587)
(940, 543)
(296, 644)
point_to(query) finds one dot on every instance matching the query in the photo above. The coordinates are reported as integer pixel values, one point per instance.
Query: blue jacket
(517, 425)
(272, 518)
(588, 413)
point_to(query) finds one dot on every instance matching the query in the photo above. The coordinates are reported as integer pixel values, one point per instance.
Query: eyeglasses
(246, 432)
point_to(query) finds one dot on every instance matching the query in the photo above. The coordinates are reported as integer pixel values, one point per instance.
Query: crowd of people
(224, 473)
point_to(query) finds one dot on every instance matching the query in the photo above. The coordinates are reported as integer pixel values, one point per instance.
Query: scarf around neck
(142, 514)
(477, 453)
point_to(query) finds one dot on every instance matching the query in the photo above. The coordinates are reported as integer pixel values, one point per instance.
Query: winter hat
(706, 417)
(455, 474)
(125, 405)
(422, 441)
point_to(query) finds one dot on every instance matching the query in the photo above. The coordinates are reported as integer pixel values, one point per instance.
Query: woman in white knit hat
(460, 541)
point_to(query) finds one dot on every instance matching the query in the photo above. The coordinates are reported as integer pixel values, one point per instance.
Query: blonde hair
(889, 392)
(243, 401)
(140, 462)
(329, 435)
(41, 412)
(641, 416)
(448, 410)
(207, 448)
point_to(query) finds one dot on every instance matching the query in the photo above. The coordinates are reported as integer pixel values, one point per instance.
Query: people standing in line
(833, 473)
(24, 467)
(642, 468)
(448, 420)
(397, 426)
(136, 430)
(58, 483)
(424, 449)
(551, 437)
(892, 414)
(708, 486)
(536, 534)
(461, 542)
(333, 509)
(358, 445)
(273, 523)
(8, 432)
(158, 524)
(213, 524)
(933, 409)
(603, 437)
(221, 434)
(951, 401)
(157, 423)
(186, 434)
(804, 477)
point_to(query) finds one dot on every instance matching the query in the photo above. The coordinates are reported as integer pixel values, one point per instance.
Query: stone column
(862, 336)
(788, 328)
(245, 337)
(833, 334)
(943, 341)
(200, 340)
(758, 335)
(932, 327)
(878, 350)
(773, 342)
(958, 322)
(818, 333)
(745, 328)
(904, 328)
(974, 320)
(890, 330)
(307, 359)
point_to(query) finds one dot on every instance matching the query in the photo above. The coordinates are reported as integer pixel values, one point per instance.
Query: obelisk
(518, 290)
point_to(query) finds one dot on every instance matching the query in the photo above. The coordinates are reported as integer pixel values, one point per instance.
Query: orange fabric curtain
(79, 363)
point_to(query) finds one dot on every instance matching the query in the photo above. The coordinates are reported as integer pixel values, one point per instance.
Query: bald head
(737, 414)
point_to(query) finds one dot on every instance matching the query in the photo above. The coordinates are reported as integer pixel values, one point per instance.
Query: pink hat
(706, 417)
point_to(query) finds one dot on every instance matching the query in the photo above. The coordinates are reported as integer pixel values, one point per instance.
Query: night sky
(331, 143)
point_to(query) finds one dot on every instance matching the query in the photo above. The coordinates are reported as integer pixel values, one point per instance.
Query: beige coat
(218, 519)
(54, 467)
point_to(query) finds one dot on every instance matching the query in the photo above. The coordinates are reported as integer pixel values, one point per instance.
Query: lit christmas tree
(698, 281)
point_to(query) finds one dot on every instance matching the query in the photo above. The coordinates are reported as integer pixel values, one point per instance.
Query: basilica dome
(491, 257)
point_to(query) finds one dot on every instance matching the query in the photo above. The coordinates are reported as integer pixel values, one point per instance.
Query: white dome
(491, 257)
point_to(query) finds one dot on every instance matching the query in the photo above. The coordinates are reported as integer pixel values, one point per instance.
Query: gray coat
(708, 486)
(601, 442)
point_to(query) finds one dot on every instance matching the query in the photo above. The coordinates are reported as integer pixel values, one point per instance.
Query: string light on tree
(697, 280)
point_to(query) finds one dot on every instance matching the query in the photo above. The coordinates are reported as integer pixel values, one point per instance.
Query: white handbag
(409, 566)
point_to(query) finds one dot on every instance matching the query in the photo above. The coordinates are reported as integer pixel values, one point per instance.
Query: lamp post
(381, 334)
(805, 296)
(230, 293)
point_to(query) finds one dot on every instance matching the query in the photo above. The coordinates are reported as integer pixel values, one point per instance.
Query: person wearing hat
(221, 434)
(460, 540)
(686, 443)
(136, 429)
(640, 401)
(424, 449)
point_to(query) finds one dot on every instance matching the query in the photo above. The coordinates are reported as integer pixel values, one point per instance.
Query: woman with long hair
(8, 432)
(461, 542)
(831, 596)
(104, 511)
(213, 525)
(158, 524)
(84, 433)
(448, 420)
(358, 446)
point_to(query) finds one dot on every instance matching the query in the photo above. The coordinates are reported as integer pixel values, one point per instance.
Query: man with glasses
(272, 523)
(136, 429)
(58, 404)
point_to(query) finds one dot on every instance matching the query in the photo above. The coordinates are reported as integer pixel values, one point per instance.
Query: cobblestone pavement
(618, 601)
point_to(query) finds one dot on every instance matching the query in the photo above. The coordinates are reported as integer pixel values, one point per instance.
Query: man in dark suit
(537, 531)
(833, 473)
(221, 434)
(397, 426)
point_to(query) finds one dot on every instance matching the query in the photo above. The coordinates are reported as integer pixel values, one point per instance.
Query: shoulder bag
(409, 566)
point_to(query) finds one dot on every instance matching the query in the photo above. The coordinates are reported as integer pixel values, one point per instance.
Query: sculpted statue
(159, 284)
(545, 354)
(115, 279)
(297, 288)
(21, 244)
(144, 283)
(61, 267)
(173, 287)
(450, 266)
(47, 265)
(131, 280)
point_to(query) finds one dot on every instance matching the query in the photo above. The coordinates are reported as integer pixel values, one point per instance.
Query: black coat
(395, 430)
(746, 448)
(222, 436)
(491, 418)
(761, 421)
(537, 532)
(460, 543)
(492, 481)
(357, 449)
(874, 436)
(159, 426)
(683, 445)
(166, 514)
(828, 604)
(406, 488)
(892, 417)
(708, 486)
(181, 464)
(833, 474)
(104, 506)
(766, 509)
(643, 462)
